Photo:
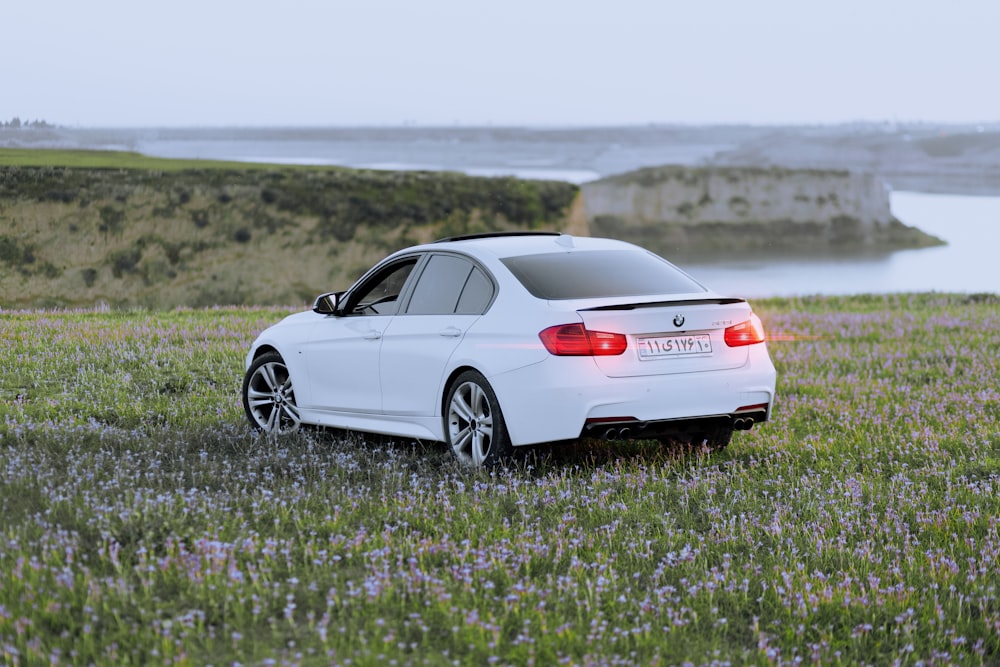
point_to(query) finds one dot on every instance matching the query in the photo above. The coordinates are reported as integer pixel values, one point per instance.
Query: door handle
(451, 332)
(372, 335)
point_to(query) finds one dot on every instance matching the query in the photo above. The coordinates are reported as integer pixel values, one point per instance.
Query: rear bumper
(564, 398)
(742, 420)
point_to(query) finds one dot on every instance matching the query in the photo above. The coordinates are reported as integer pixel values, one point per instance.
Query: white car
(494, 341)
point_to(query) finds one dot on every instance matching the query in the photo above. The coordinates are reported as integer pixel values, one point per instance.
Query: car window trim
(387, 265)
(423, 265)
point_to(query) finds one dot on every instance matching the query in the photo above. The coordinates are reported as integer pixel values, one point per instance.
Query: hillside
(220, 235)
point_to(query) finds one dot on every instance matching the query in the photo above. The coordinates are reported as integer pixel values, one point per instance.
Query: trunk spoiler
(720, 301)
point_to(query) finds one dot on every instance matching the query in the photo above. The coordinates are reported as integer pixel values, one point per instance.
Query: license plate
(659, 347)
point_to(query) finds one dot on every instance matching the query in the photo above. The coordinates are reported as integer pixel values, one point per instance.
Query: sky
(216, 63)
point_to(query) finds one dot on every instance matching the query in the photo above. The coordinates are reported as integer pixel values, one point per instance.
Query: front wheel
(474, 425)
(268, 396)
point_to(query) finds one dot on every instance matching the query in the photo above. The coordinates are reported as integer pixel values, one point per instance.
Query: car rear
(705, 358)
(635, 348)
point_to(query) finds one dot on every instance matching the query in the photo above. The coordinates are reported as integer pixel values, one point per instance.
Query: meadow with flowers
(142, 522)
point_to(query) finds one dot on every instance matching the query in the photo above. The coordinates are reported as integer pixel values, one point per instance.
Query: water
(969, 263)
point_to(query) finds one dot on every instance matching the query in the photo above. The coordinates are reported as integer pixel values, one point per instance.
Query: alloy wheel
(269, 397)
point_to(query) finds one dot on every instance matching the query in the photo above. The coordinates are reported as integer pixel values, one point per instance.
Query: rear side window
(450, 284)
(477, 294)
(599, 273)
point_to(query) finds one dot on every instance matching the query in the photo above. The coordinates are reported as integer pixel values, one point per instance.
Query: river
(970, 262)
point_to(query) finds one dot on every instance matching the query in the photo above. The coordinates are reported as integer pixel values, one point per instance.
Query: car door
(342, 356)
(450, 294)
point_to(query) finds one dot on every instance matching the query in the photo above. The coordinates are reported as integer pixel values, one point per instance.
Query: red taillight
(745, 333)
(573, 340)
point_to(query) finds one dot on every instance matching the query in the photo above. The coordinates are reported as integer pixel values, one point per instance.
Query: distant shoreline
(938, 158)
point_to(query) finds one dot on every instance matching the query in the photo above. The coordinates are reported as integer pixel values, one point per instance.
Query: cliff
(671, 209)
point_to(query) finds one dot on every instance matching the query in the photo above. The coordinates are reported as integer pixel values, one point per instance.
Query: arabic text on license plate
(657, 347)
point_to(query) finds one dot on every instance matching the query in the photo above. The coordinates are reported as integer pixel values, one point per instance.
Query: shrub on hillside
(17, 253)
(124, 261)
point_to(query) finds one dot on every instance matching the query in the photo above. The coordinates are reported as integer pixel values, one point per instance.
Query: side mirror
(326, 304)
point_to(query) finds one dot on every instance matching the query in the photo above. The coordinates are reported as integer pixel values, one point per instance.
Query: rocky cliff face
(674, 208)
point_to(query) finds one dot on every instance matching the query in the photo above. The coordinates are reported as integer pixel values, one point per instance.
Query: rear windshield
(598, 273)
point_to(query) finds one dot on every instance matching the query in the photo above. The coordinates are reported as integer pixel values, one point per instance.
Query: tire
(473, 423)
(268, 396)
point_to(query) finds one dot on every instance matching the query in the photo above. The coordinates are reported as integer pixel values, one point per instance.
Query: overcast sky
(508, 62)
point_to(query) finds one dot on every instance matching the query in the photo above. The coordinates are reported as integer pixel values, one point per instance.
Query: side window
(439, 286)
(477, 294)
(379, 294)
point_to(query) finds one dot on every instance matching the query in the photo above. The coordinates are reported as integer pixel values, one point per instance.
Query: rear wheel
(474, 425)
(268, 396)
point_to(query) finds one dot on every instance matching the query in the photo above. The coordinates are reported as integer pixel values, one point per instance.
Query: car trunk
(670, 337)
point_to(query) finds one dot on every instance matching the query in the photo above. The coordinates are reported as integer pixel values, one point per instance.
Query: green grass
(142, 523)
(95, 159)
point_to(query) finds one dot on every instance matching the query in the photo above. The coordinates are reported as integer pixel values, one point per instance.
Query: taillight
(745, 333)
(573, 340)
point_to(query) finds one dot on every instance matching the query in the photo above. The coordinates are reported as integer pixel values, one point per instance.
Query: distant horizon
(48, 124)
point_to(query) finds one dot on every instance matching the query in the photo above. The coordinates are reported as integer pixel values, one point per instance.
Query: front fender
(286, 338)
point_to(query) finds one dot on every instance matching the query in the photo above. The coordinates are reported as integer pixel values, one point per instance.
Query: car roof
(502, 245)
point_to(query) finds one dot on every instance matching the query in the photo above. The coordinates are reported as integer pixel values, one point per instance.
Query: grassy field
(91, 159)
(141, 523)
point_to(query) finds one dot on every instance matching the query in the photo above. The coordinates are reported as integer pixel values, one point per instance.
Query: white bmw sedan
(494, 341)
